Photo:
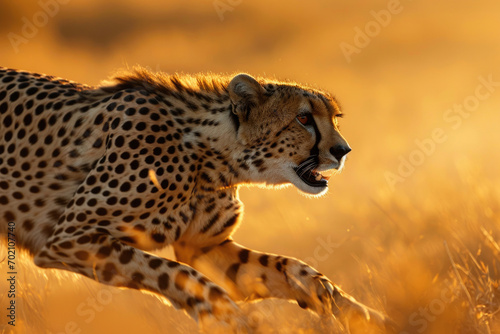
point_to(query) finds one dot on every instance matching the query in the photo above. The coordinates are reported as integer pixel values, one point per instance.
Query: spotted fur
(94, 177)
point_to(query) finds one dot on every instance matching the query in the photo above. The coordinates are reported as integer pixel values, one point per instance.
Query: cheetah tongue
(320, 176)
(313, 178)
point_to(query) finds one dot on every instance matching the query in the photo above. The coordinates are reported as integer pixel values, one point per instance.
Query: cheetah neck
(213, 136)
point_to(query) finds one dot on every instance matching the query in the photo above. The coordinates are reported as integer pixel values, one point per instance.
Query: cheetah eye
(304, 119)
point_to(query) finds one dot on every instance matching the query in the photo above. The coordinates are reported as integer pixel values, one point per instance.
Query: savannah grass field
(410, 227)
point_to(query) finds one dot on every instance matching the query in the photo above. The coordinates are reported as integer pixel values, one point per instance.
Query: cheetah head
(290, 131)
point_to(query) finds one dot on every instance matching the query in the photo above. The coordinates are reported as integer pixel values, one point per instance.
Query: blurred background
(410, 227)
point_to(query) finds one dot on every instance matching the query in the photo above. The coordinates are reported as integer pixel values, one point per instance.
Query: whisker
(307, 165)
(307, 169)
(311, 159)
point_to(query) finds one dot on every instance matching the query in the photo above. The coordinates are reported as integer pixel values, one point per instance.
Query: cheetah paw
(318, 293)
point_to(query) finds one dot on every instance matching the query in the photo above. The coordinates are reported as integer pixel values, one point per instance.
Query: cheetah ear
(245, 93)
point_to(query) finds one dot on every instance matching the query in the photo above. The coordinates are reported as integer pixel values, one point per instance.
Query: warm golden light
(411, 225)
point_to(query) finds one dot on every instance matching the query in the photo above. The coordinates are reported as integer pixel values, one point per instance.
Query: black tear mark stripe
(315, 148)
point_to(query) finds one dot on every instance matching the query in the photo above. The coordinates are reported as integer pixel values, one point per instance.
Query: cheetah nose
(338, 151)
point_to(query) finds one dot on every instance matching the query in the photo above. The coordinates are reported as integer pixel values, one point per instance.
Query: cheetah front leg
(248, 274)
(100, 256)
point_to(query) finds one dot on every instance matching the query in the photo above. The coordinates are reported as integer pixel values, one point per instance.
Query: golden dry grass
(425, 251)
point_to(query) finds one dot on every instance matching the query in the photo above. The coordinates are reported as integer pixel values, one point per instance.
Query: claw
(325, 296)
(328, 286)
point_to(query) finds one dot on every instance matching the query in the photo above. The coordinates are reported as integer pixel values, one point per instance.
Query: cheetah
(96, 177)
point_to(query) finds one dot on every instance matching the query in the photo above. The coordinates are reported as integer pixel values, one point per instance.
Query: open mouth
(307, 173)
